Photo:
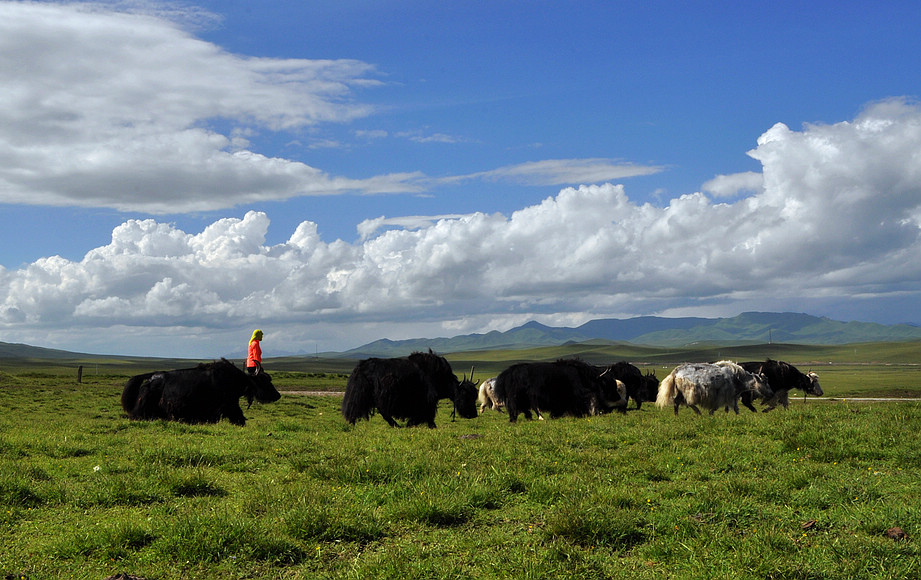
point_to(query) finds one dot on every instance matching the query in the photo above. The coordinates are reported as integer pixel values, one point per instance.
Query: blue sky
(175, 173)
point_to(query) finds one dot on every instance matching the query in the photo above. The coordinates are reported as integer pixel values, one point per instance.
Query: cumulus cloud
(734, 184)
(837, 220)
(368, 228)
(129, 111)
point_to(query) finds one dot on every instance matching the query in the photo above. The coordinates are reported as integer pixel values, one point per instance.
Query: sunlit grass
(297, 493)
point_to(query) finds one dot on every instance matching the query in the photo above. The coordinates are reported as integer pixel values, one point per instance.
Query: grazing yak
(782, 377)
(639, 387)
(406, 388)
(203, 394)
(565, 387)
(487, 396)
(710, 385)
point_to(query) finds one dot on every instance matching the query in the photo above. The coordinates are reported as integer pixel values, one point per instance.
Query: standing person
(254, 357)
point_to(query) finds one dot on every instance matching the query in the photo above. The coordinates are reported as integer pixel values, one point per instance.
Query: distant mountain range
(746, 328)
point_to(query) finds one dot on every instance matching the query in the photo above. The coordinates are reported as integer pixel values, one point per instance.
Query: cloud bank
(129, 111)
(837, 218)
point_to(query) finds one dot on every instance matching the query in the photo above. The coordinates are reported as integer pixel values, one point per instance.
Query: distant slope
(747, 328)
(787, 327)
(24, 351)
(27, 356)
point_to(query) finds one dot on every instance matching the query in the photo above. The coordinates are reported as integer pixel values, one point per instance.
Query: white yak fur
(711, 386)
(487, 397)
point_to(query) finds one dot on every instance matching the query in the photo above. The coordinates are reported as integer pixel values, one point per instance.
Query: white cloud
(128, 110)
(561, 172)
(731, 185)
(368, 228)
(372, 135)
(125, 110)
(422, 137)
(836, 223)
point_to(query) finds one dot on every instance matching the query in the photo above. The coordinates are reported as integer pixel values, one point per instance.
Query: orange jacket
(254, 358)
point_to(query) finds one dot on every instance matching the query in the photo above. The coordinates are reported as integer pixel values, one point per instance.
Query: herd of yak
(409, 389)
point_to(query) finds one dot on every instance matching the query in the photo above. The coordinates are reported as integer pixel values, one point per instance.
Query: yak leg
(696, 410)
(236, 417)
(770, 404)
(747, 401)
(779, 398)
(233, 412)
(390, 420)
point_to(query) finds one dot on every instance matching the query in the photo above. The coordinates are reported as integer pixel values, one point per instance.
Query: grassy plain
(805, 493)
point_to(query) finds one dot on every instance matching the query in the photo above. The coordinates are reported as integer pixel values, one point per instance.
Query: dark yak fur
(564, 387)
(782, 377)
(203, 394)
(407, 388)
(641, 388)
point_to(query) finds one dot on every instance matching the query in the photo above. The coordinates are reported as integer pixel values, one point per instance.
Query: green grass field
(804, 493)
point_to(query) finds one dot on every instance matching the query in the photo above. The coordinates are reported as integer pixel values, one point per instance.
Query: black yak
(710, 385)
(203, 394)
(564, 387)
(641, 388)
(407, 388)
(782, 377)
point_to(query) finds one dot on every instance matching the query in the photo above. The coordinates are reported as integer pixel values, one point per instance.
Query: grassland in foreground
(804, 493)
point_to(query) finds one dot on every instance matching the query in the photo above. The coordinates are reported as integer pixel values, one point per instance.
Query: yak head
(261, 388)
(613, 391)
(651, 386)
(813, 387)
(758, 384)
(465, 395)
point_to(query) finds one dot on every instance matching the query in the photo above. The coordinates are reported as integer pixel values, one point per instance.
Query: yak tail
(667, 392)
(358, 401)
(132, 392)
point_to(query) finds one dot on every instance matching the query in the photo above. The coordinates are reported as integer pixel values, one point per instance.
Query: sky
(174, 175)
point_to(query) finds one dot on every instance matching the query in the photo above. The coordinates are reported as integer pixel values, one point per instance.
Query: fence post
(80, 374)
